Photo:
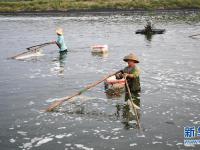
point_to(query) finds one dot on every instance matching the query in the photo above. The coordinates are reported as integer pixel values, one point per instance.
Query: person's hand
(119, 76)
(53, 42)
(125, 75)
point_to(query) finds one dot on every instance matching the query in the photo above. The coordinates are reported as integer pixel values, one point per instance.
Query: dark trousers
(135, 96)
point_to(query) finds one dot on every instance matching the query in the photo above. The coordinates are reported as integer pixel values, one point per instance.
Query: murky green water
(170, 81)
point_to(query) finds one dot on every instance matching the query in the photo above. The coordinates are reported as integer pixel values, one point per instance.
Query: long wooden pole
(59, 102)
(30, 49)
(194, 35)
(133, 105)
(13, 57)
(39, 45)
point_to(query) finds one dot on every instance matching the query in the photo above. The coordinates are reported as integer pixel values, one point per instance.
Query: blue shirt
(61, 43)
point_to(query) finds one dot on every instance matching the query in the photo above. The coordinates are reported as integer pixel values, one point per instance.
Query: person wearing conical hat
(132, 74)
(60, 41)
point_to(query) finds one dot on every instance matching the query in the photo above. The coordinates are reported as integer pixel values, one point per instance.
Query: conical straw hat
(59, 31)
(131, 57)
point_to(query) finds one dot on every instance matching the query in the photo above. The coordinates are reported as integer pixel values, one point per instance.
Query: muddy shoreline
(101, 12)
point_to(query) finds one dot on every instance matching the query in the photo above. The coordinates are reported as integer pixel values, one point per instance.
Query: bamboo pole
(13, 57)
(133, 105)
(194, 35)
(39, 45)
(31, 49)
(63, 99)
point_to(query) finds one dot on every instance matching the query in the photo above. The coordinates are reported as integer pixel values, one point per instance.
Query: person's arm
(132, 75)
(58, 42)
(126, 75)
(58, 45)
(53, 42)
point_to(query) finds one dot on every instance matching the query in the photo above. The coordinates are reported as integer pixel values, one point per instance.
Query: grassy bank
(65, 5)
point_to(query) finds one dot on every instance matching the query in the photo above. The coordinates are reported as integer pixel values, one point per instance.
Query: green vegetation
(65, 5)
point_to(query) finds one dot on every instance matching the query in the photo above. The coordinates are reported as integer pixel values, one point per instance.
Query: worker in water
(148, 27)
(60, 42)
(131, 73)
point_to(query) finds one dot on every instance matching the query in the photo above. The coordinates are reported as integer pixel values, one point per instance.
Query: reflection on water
(149, 36)
(170, 83)
(62, 61)
(126, 115)
(125, 112)
(100, 54)
(59, 63)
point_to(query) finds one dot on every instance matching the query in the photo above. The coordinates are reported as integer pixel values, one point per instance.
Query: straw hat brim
(131, 57)
(59, 31)
(126, 60)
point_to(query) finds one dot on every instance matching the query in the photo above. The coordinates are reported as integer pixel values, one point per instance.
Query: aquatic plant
(64, 5)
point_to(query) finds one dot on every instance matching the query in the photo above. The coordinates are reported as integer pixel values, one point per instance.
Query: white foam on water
(189, 145)
(133, 121)
(45, 75)
(12, 140)
(68, 144)
(29, 145)
(133, 144)
(61, 128)
(115, 138)
(179, 143)
(104, 137)
(95, 104)
(196, 122)
(198, 72)
(79, 119)
(117, 129)
(85, 131)
(142, 136)
(83, 147)
(26, 56)
(43, 141)
(68, 135)
(168, 144)
(97, 131)
(22, 133)
(60, 136)
(37, 124)
(31, 103)
(156, 142)
(50, 100)
(158, 137)
(32, 77)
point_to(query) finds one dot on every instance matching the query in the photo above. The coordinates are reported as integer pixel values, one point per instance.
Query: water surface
(170, 81)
